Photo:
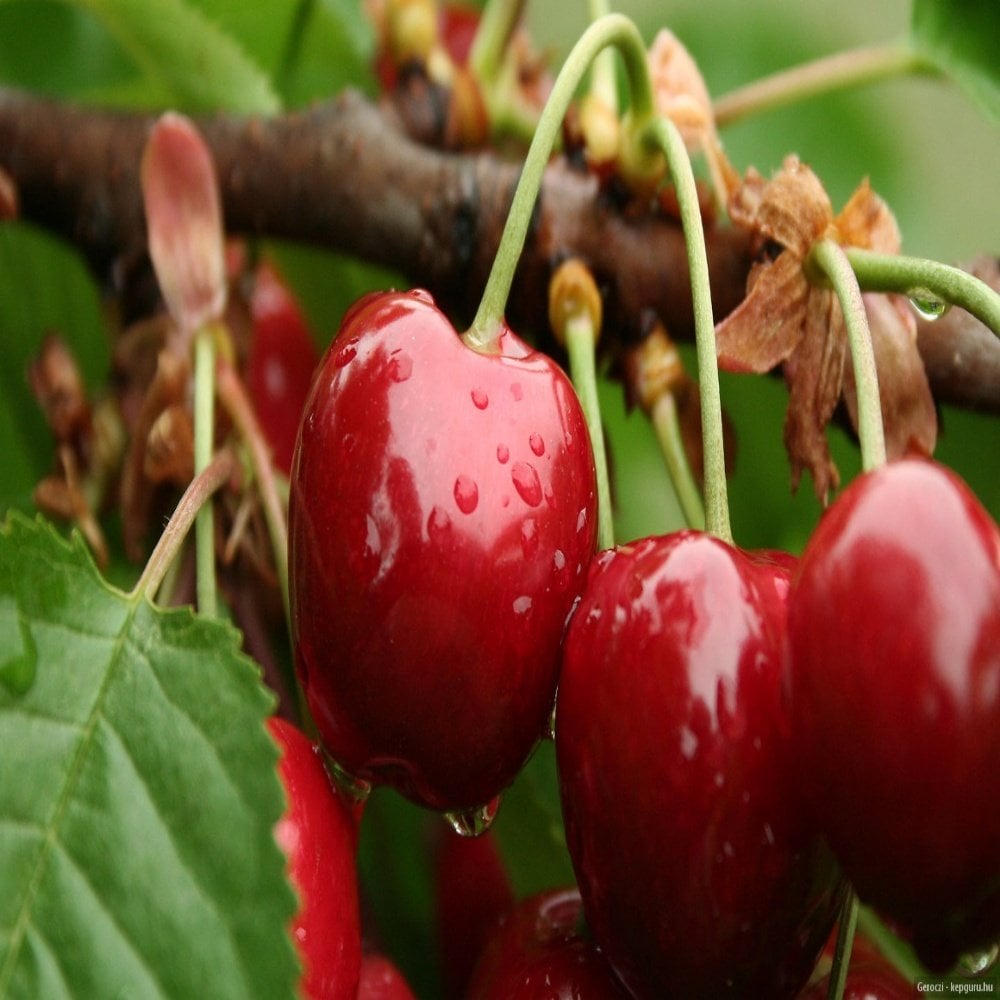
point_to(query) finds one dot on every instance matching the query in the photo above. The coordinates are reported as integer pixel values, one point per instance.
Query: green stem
(895, 950)
(667, 427)
(832, 260)
(215, 475)
(580, 342)
(663, 133)
(913, 276)
(852, 68)
(615, 29)
(499, 18)
(603, 76)
(204, 433)
(842, 949)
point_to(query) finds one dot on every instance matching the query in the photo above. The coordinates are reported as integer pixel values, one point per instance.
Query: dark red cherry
(382, 980)
(540, 951)
(472, 891)
(318, 833)
(441, 523)
(280, 366)
(894, 700)
(697, 865)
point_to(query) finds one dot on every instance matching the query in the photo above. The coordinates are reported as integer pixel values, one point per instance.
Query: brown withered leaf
(787, 320)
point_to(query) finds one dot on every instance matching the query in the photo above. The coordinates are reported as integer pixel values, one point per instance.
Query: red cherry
(457, 24)
(472, 891)
(697, 868)
(282, 360)
(318, 833)
(441, 522)
(540, 952)
(894, 700)
(382, 980)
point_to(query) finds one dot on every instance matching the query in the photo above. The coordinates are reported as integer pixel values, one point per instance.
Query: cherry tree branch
(343, 175)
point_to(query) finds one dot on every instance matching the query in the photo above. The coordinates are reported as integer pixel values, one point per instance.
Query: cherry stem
(831, 259)
(854, 67)
(926, 279)
(663, 133)
(233, 397)
(666, 425)
(215, 475)
(603, 77)
(204, 434)
(496, 25)
(896, 951)
(614, 29)
(581, 340)
(843, 947)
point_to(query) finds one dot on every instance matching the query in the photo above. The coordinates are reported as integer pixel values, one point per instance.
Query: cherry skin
(441, 521)
(698, 868)
(281, 363)
(539, 952)
(472, 891)
(894, 700)
(318, 833)
(382, 980)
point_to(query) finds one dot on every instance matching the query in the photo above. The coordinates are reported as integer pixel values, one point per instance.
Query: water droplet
(768, 834)
(559, 559)
(550, 496)
(517, 392)
(479, 399)
(527, 484)
(466, 494)
(975, 963)
(522, 605)
(400, 367)
(373, 544)
(423, 295)
(581, 519)
(529, 537)
(18, 671)
(346, 354)
(503, 454)
(551, 732)
(927, 305)
(474, 822)
(356, 790)
(537, 444)
(438, 524)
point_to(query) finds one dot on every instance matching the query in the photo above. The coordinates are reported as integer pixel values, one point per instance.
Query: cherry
(441, 521)
(318, 833)
(894, 700)
(472, 891)
(382, 980)
(697, 866)
(540, 952)
(281, 362)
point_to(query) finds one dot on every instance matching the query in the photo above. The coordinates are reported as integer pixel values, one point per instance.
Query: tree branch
(344, 176)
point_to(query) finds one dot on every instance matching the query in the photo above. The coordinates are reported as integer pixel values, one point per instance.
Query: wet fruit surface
(894, 697)
(697, 867)
(441, 524)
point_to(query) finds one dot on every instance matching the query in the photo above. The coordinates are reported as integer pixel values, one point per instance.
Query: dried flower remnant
(680, 94)
(788, 319)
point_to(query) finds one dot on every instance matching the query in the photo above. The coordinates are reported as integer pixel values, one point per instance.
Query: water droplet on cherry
(479, 399)
(438, 523)
(474, 822)
(503, 454)
(346, 354)
(581, 519)
(559, 559)
(400, 367)
(522, 604)
(423, 295)
(355, 790)
(537, 444)
(529, 537)
(927, 305)
(527, 484)
(466, 494)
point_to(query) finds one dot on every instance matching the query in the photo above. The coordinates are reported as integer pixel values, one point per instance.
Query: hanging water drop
(927, 305)
(474, 822)
(976, 963)
(355, 790)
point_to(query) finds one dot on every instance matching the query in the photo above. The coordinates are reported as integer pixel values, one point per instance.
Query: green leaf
(182, 51)
(960, 38)
(138, 793)
(44, 286)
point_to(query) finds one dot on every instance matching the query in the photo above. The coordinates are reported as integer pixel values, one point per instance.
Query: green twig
(842, 949)
(499, 18)
(836, 72)
(666, 425)
(831, 259)
(615, 29)
(662, 133)
(916, 277)
(204, 435)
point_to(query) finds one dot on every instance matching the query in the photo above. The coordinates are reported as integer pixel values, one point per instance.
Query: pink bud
(184, 219)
